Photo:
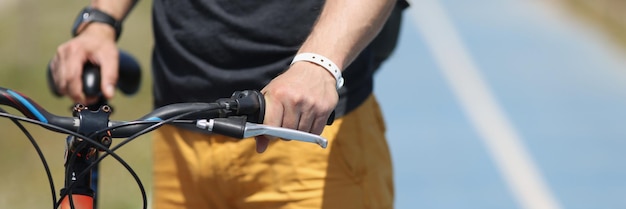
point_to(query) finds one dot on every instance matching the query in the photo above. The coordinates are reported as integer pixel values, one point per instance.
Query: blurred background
(489, 104)
(30, 32)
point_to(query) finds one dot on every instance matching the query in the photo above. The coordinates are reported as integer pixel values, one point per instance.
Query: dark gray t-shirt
(206, 49)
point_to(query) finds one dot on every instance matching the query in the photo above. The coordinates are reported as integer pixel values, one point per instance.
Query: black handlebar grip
(252, 104)
(129, 77)
(91, 80)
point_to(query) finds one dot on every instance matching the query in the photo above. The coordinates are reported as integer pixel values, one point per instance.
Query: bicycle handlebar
(247, 103)
(236, 117)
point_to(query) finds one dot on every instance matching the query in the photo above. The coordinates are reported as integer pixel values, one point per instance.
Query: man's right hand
(95, 44)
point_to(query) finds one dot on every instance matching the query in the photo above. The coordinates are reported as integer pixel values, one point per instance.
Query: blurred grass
(30, 31)
(608, 15)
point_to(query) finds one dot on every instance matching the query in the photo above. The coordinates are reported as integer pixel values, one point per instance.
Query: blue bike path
(560, 84)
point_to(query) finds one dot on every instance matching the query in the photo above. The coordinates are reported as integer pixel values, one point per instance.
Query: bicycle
(90, 130)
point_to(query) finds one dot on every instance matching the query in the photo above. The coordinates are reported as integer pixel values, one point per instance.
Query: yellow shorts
(194, 170)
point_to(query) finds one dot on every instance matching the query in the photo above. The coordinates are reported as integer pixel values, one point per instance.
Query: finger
(318, 124)
(291, 117)
(74, 90)
(273, 117)
(109, 73)
(57, 74)
(306, 121)
(72, 69)
(261, 143)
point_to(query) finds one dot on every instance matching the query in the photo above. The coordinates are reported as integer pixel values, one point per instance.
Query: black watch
(89, 15)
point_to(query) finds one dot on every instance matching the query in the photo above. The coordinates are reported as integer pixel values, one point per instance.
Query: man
(298, 53)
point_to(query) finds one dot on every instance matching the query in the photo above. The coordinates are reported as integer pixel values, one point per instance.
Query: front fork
(82, 192)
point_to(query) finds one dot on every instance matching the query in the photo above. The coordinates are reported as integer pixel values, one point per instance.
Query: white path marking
(501, 139)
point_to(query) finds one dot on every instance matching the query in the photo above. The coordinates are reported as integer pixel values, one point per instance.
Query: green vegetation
(30, 31)
(609, 15)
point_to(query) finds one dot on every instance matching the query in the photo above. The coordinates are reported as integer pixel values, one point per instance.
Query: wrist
(313, 73)
(98, 29)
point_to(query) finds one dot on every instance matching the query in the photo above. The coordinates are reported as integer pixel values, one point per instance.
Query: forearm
(346, 27)
(118, 9)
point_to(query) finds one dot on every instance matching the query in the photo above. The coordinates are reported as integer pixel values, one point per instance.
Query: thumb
(109, 72)
(261, 143)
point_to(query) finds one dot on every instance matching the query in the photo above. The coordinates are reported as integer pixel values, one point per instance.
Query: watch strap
(324, 62)
(89, 15)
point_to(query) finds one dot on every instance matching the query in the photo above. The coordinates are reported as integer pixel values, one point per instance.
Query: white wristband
(321, 61)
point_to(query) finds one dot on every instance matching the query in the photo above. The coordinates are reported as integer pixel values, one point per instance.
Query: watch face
(86, 16)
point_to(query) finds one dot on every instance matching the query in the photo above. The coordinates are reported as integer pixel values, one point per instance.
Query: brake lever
(253, 129)
(234, 127)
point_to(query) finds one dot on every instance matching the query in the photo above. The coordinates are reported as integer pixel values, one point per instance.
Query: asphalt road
(504, 104)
